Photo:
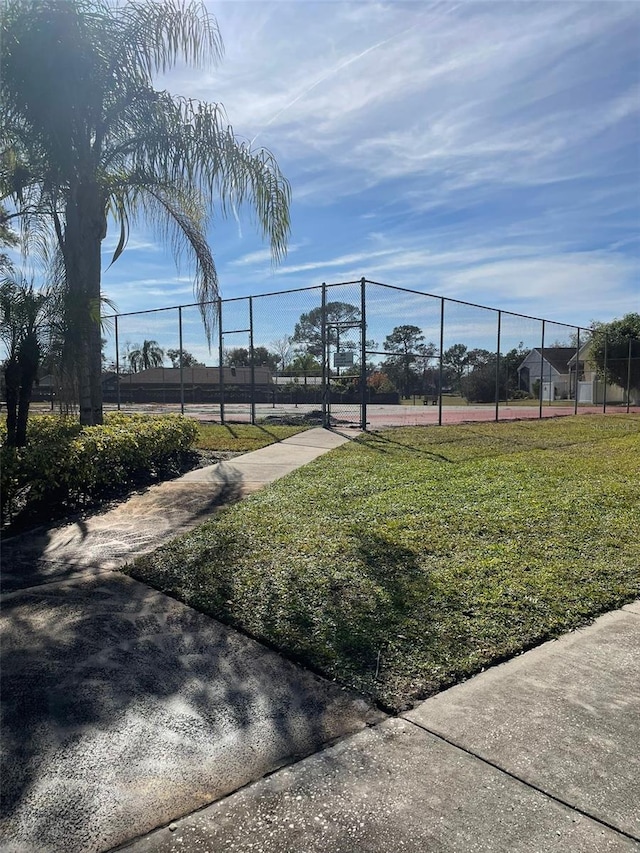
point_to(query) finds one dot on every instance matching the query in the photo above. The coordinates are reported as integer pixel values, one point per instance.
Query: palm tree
(88, 140)
(23, 320)
(305, 364)
(148, 355)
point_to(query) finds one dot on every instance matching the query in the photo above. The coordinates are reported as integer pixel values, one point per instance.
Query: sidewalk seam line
(288, 763)
(632, 612)
(517, 778)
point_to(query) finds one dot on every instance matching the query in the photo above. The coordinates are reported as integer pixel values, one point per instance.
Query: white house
(591, 387)
(550, 366)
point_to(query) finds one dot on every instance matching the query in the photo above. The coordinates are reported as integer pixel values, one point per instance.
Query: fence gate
(343, 330)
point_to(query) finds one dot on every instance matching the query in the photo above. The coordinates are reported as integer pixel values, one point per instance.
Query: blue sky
(487, 152)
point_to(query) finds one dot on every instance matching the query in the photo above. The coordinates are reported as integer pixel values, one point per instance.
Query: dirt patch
(312, 418)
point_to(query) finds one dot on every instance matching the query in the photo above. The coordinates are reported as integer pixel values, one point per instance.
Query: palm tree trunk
(95, 368)
(12, 390)
(29, 359)
(85, 229)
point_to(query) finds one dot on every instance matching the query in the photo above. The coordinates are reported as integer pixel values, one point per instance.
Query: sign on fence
(343, 359)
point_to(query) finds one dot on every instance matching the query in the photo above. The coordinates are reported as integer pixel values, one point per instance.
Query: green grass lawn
(409, 559)
(241, 438)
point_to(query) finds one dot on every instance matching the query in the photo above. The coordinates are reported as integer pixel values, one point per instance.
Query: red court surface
(378, 416)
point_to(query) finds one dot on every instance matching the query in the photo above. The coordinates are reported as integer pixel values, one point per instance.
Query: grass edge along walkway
(410, 559)
(242, 438)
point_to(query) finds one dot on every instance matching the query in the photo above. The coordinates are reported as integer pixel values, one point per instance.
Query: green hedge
(65, 463)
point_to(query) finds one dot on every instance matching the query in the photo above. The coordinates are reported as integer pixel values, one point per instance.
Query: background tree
(617, 339)
(509, 364)
(480, 357)
(263, 357)
(380, 383)
(236, 357)
(150, 354)
(409, 356)
(8, 238)
(479, 385)
(454, 362)
(431, 380)
(125, 352)
(87, 139)
(188, 360)
(340, 319)
(283, 349)
(241, 357)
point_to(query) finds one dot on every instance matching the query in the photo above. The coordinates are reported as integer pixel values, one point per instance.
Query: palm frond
(156, 35)
(177, 216)
(190, 143)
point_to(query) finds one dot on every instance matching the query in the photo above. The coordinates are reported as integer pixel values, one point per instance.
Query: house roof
(585, 351)
(557, 357)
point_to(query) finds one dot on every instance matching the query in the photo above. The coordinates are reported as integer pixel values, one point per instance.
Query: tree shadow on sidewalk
(104, 540)
(123, 709)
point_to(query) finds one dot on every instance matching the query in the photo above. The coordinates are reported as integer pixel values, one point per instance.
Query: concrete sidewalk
(108, 540)
(537, 754)
(123, 708)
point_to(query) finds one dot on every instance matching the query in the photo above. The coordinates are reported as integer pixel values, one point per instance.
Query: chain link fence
(364, 354)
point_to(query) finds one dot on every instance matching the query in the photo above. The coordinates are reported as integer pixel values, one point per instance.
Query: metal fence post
(441, 370)
(220, 359)
(252, 364)
(181, 360)
(117, 366)
(363, 354)
(629, 378)
(604, 377)
(325, 383)
(541, 371)
(498, 367)
(575, 405)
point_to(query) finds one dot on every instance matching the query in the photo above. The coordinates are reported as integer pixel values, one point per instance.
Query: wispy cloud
(485, 151)
(134, 244)
(344, 261)
(260, 258)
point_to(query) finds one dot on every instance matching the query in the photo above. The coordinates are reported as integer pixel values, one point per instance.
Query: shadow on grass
(364, 621)
(376, 441)
(397, 582)
(271, 435)
(495, 444)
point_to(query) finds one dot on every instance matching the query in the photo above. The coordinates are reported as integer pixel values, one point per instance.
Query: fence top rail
(299, 289)
(475, 305)
(317, 287)
(229, 299)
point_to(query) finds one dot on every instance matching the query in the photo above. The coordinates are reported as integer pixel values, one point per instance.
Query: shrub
(64, 463)
(480, 385)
